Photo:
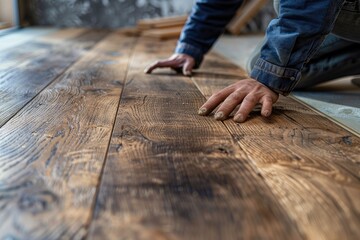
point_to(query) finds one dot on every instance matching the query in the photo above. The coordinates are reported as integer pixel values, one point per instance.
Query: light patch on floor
(15, 38)
(337, 100)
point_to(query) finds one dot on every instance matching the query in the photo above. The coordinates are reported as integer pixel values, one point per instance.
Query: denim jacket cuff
(189, 49)
(279, 79)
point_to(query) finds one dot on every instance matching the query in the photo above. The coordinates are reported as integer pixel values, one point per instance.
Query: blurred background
(104, 13)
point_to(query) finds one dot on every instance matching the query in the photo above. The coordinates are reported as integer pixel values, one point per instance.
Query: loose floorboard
(92, 148)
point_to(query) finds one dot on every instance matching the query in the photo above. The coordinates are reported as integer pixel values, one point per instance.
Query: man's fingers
(229, 105)
(188, 66)
(246, 107)
(266, 107)
(214, 101)
(164, 63)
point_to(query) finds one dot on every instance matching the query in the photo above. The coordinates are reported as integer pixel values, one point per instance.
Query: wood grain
(52, 151)
(163, 33)
(30, 67)
(163, 22)
(311, 164)
(171, 174)
(93, 148)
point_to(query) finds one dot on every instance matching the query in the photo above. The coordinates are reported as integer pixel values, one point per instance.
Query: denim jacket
(291, 39)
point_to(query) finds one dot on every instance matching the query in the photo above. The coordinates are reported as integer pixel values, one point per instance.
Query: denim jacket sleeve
(205, 24)
(291, 39)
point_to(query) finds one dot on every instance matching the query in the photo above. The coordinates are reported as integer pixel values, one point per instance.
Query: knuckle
(217, 95)
(237, 96)
(267, 99)
(251, 99)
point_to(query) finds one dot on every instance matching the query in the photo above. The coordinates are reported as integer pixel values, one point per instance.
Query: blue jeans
(335, 58)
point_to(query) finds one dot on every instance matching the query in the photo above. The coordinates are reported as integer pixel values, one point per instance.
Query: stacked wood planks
(158, 28)
(171, 27)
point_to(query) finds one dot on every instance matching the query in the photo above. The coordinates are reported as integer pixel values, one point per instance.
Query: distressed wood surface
(28, 68)
(171, 174)
(95, 149)
(52, 151)
(311, 164)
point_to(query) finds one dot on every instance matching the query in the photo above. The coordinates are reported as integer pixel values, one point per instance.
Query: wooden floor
(92, 148)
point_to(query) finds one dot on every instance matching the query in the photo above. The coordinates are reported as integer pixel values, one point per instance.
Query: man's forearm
(205, 24)
(291, 41)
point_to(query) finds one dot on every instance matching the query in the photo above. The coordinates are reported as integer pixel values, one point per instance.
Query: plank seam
(257, 171)
(97, 192)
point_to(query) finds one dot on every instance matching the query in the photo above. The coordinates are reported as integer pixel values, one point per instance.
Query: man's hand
(179, 62)
(247, 93)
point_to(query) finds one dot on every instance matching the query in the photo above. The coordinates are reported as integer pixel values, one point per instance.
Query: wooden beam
(163, 33)
(244, 15)
(163, 22)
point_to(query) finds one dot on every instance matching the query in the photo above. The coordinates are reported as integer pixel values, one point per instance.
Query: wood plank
(311, 164)
(52, 151)
(163, 22)
(244, 15)
(163, 33)
(26, 45)
(30, 67)
(171, 174)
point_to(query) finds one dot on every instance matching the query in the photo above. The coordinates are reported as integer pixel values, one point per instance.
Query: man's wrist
(190, 50)
(281, 80)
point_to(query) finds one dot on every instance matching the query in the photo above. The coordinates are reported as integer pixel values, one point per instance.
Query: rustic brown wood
(311, 164)
(130, 31)
(164, 22)
(171, 174)
(105, 152)
(52, 151)
(28, 68)
(244, 14)
(163, 34)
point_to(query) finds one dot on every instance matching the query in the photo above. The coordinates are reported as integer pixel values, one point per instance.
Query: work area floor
(338, 99)
(93, 148)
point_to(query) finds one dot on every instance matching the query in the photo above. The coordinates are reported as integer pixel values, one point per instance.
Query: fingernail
(266, 113)
(146, 70)
(187, 73)
(202, 111)
(219, 116)
(239, 118)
